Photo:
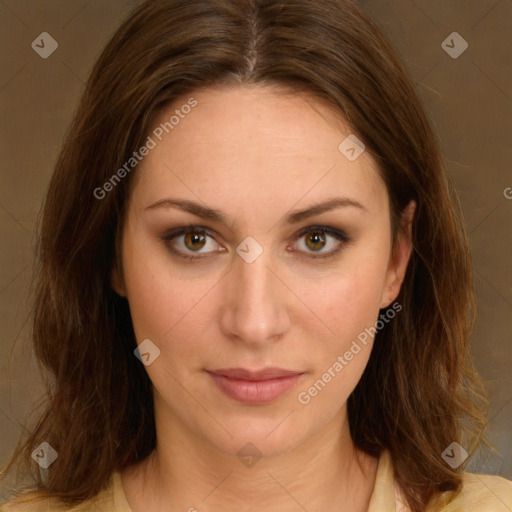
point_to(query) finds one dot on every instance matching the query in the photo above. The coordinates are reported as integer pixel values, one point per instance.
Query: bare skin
(257, 155)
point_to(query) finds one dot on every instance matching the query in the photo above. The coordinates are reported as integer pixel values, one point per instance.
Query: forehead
(260, 147)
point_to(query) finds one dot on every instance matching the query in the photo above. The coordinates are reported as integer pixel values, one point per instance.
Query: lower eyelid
(169, 243)
(337, 238)
(340, 236)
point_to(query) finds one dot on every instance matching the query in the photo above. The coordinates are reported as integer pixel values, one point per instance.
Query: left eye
(194, 239)
(317, 238)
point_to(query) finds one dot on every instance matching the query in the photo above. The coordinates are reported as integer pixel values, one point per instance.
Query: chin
(270, 436)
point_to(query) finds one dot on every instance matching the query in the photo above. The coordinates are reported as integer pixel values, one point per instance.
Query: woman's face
(251, 168)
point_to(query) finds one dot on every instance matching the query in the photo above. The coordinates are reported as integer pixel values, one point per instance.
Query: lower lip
(254, 391)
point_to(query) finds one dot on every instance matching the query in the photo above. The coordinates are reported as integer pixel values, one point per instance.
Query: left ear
(400, 256)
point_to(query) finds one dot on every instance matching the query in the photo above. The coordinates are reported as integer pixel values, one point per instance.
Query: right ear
(117, 281)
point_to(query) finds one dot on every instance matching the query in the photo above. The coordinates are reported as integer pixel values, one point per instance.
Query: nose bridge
(255, 310)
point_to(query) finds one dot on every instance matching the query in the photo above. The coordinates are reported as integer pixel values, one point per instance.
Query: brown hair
(419, 392)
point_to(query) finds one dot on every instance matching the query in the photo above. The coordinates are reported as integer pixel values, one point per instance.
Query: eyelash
(201, 230)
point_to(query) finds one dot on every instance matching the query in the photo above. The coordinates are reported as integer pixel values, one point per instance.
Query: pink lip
(255, 387)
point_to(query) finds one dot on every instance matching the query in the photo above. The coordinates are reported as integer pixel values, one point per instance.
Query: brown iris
(320, 239)
(194, 239)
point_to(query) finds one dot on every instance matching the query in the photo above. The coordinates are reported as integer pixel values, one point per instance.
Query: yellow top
(480, 493)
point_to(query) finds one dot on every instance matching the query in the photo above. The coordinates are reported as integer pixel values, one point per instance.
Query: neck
(187, 473)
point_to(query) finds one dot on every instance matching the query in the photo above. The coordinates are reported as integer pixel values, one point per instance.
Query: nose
(254, 309)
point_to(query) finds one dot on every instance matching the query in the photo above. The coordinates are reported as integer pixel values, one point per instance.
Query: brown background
(469, 100)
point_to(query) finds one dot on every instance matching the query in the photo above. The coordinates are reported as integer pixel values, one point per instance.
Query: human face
(257, 156)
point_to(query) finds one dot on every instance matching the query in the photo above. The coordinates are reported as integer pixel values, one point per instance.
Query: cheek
(155, 301)
(166, 306)
(350, 307)
(349, 301)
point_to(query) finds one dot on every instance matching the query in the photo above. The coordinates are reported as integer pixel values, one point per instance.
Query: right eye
(186, 241)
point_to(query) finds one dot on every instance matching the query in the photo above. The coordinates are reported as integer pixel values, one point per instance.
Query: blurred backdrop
(459, 55)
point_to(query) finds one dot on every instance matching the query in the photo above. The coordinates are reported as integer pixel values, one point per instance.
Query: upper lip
(264, 374)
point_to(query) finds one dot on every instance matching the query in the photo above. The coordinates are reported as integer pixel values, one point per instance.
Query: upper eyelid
(339, 234)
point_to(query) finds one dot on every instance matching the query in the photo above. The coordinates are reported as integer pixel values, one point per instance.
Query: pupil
(317, 238)
(193, 239)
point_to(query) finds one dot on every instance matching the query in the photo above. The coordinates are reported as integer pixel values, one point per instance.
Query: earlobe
(117, 281)
(400, 257)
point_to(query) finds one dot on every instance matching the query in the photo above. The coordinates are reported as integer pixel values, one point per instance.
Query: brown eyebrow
(206, 212)
(324, 206)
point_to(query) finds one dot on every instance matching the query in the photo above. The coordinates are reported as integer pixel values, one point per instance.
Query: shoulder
(33, 502)
(30, 502)
(23, 504)
(479, 493)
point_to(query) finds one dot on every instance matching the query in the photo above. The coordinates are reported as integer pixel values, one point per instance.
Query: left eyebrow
(295, 217)
(324, 206)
